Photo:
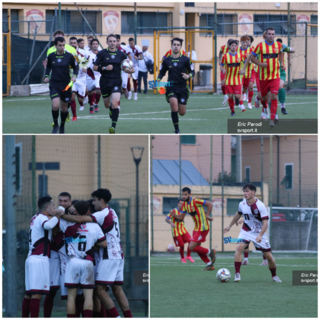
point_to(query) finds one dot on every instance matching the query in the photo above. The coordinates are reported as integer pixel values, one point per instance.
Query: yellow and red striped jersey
(195, 208)
(224, 49)
(269, 53)
(232, 64)
(169, 53)
(249, 68)
(180, 228)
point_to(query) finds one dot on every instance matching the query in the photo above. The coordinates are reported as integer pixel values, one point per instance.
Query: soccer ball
(126, 64)
(170, 248)
(223, 275)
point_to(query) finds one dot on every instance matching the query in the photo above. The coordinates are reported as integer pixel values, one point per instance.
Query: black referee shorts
(181, 93)
(108, 87)
(57, 91)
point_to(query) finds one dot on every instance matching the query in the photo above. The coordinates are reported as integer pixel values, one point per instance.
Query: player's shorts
(54, 273)
(110, 272)
(245, 82)
(283, 75)
(124, 77)
(222, 75)
(135, 74)
(64, 290)
(79, 87)
(37, 275)
(56, 91)
(253, 75)
(79, 272)
(258, 81)
(93, 84)
(235, 89)
(180, 93)
(247, 236)
(179, 241)
(199, 236)
(108, 88)
(269, 85)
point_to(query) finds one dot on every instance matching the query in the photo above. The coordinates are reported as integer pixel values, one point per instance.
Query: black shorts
(57, 91)
(108, 87)
(181, 93)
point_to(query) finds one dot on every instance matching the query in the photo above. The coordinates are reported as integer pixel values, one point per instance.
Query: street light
(137, 155)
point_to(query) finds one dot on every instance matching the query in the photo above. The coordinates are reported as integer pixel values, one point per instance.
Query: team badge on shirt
(59, 60)
(175, 64)
(112, 57)
(182, 100)
(115, 88)
(67, 99)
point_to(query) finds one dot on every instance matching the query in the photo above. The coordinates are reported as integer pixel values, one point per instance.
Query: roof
(166, 172)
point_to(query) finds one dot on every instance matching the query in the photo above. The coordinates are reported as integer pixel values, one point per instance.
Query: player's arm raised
(235, 218)
(178, 217)
(168, 220)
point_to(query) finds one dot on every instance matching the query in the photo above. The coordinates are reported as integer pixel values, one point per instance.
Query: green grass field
(183, 290)
(149, 114)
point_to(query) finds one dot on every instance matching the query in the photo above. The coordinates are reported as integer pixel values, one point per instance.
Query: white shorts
(124, 77)
(54, 273)
(247, 236)
(79, 272)
(93, 84)
(135, 74)
(110, 272)
(80, 87)
(37, 276)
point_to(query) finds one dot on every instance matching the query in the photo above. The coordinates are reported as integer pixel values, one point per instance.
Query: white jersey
(39, 238)
(84, 61)
(93, 57)
(109, 222)
(80, 239)
(135, 51)
(253, 215)
(87, 48)
(124, 49)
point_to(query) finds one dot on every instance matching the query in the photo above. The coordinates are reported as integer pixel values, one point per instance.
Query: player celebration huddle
(90, 72)
(76, 248)
(242, 65)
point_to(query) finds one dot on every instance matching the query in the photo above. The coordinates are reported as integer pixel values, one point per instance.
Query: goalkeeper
(58, 64)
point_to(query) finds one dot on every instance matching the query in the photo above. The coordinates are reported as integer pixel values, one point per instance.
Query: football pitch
(150, 114)
(184, 290)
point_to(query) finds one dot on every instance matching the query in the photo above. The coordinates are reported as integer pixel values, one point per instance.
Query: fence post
(59, 17)
(306, 56)
(211, 151)
(31, 56)
(289, 29)
(222, 194)
(99, 161)
(10, 298)
(262, 169)
(34, 191)
(180, 166)
(135, 22)
(215, 48)
(270, 190)
(151, 192)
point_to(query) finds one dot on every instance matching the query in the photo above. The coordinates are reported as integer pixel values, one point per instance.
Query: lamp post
(137, 155)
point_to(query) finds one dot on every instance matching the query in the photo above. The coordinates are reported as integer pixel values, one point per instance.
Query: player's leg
(238, 258)
(91, 95)
(55, 114)
(63, 114)
(229, 91)
(107, 301)
(145, 81)
(73, 104)
(81, 102)
(124, 77)
(129, 87)
(71, 302)
(264, 261)
(115, 98)
(174, 105)
(245, 255)
(135, 83)
(139, 81)
(223, 88)
(187, 239)
(98, 96)
(48, 302)
(88, 303)
(35, 305)
(282, 97)
(250, 92)
(258, 96)
(122, 300)
(96, 305)
(242, 92)
(272, 265)
(274, 89)
(26, 306)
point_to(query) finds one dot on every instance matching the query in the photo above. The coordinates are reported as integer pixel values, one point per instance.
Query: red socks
(188, 252)
(79, 306)
(246, 254)
(223, 88)
(231, 104)
(127, 314)
(103, 311)
(113, 312)
(274, 107)
(129, 85)
(90, 97)
(135, 85)
(94, 97)
(264, 104)
(87, 314)
(202, 253)
(98, 96)
(181, 250)
(25, 308)
(241, 102)
(48, 301)
(250, 96)
(34, 308)
(74, 112)
(237, 266)
(71, 316)
(273, 271)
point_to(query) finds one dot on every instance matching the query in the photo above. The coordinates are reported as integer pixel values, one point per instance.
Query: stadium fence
(79, 165)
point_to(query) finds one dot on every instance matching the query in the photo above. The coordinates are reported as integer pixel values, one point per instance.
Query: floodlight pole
(135, 22)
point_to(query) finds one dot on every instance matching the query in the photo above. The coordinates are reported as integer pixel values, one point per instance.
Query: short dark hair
(270, 28)
(65, 194)
(111, 35)
(80, 40)
(186, 189)
(279, 40)
(73, 38)
(123, 43)
(232, 42)
(131, 39)
(58, 39)
(58, 31)
(43, 202)
(177, 39)
(118, 36)
(249, 186)
(96, 40)
(251, 38)
(180, 199)
(92, 209)
(82, 207)
(74, 202)
(229, 40)
(90, 36)
(101, 193)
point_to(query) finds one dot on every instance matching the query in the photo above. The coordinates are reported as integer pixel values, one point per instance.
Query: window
(314, 20)
(42, 185)
(277, 21)
(287, 181)
(169, 204)
(207, 20)
(188, 139)
(233, 206)
(189, 4)
(248, 174)
(145, 19)
(73, 23)
(18, 153)
(14, 20)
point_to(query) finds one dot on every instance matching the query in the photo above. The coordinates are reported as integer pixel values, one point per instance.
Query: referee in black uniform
(180, 70)
(108, 63)
(59, 64)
